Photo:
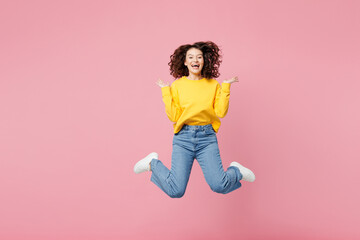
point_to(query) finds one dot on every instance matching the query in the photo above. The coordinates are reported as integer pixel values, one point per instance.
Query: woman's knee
(177, 193)
(218, 186)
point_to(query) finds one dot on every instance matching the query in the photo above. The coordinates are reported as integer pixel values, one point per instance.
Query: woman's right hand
(161, 83)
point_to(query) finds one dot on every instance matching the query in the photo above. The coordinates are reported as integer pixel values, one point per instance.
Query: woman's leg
(208, 156)
(174, 182)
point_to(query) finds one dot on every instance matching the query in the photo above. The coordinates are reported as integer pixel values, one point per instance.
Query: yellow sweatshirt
(196, 102)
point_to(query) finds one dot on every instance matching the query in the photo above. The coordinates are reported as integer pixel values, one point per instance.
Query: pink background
(79, 107)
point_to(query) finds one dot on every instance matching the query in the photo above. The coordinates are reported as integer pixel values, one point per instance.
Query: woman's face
(194, 61)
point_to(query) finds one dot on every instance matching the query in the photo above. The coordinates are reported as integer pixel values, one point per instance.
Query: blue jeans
(192, 142)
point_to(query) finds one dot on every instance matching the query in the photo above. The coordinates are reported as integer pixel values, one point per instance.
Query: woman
(195, 102)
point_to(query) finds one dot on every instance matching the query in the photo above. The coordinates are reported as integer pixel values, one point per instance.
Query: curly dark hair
(212, 60)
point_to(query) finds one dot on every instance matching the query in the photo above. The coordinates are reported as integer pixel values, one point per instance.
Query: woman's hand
(232, 80)
(161, 83)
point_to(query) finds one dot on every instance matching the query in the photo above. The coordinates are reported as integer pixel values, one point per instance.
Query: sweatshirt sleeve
(222, 97)
(171, 99)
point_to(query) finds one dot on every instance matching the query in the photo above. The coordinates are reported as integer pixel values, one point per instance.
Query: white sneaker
(248, 175)
(143, 164)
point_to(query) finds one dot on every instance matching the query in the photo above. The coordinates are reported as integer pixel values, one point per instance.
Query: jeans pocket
(180, 132)
(209, 131)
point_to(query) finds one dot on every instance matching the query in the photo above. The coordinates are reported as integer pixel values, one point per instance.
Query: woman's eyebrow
(196, 55)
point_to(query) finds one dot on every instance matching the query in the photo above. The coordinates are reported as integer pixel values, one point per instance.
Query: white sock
(247, 174)
(143, 164)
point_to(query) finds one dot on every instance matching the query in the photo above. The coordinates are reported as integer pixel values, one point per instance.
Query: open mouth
(196, 66)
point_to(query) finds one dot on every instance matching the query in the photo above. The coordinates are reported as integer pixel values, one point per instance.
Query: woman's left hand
(232, 80)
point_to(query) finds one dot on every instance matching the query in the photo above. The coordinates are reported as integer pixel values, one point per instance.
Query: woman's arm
(222, 97)
(171, 100)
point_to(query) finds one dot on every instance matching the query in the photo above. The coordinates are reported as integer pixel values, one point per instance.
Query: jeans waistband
(196, 127)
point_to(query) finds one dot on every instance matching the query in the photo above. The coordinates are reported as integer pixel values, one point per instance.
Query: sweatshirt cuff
(225, 87)
(165, 91)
